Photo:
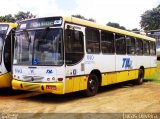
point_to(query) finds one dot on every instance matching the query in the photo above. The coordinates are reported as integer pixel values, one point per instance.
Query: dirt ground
(121, 98)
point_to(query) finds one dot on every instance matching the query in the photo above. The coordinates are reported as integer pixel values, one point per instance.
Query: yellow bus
(65, 54)
(7, 32)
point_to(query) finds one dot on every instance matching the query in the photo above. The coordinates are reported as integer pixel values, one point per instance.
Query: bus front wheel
(92, 85)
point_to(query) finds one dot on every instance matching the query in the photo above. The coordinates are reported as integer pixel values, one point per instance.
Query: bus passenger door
(74, 57)
(8, 51)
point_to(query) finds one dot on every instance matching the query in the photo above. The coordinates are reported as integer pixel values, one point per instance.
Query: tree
(17, 17)
(135, 29)
(7, 18)
(150, 19)
(115, 25)
(82, 17)
(22, 16)
(91, 19)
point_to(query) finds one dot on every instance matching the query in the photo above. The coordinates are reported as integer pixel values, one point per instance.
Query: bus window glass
(23, 48)
(157, 44)
(139, 47)
(74, 46)
(152, 48)
(48, 47)
(92, 41)
(120, 44)
(41, 47)
(146, 47)
(107, 42)
(130, 45)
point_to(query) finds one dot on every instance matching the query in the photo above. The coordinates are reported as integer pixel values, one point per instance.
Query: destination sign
(40, 23)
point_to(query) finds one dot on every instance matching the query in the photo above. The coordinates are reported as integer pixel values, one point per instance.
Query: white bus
(65, 54)
(7, 32)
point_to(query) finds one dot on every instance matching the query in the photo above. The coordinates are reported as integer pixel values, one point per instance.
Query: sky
(125, 12)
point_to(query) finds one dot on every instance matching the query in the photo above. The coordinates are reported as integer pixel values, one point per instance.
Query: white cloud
(125, 12)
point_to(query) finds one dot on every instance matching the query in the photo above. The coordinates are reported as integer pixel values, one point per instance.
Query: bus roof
(108, 28)
(13, 25)
(95, 25)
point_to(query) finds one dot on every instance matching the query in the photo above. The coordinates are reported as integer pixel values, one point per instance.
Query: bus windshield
(39, 47)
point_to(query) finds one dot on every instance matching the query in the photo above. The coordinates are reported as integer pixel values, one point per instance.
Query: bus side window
(92, 41)
(146, 50)
(120, 44)
(107, 42)
(139, 47)
(152, 48)
(130, 45)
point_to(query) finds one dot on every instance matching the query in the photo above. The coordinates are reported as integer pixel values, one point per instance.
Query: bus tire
(92, 86)
(139, 81)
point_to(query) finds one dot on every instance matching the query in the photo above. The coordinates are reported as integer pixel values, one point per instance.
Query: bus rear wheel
(92, 86)
(139, 81)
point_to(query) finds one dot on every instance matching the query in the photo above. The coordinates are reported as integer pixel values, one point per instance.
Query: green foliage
(22, 15)
(17, 17)
(155, 77)
(7, 18)
(91, 19)
(115, 25)
(82, 17)
(150, 19)
(135, 29)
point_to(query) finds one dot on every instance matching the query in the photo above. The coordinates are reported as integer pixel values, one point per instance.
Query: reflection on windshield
(24, 47)
(47, 48)
(41, 47)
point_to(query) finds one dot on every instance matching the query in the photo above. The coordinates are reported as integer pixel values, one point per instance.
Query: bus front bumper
(55, 88)
(5, 80)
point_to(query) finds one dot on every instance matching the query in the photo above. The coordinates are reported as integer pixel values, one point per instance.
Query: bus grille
(33, 78)
(31, 87)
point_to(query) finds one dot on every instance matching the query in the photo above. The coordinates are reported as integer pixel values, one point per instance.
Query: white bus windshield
(39, 47)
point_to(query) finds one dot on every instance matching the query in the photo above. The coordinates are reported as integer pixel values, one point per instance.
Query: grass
(155, 77)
